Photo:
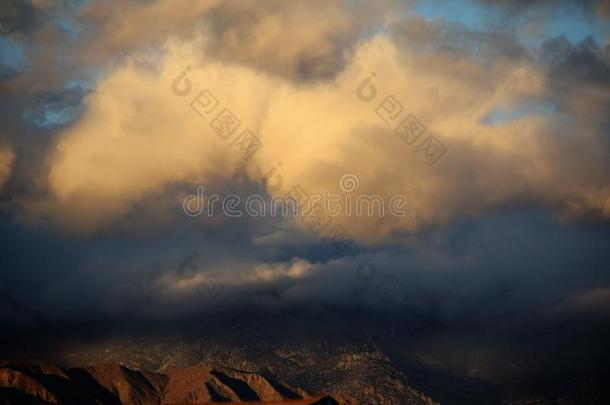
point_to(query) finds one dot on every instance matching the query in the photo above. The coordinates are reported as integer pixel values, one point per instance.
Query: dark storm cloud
(510, 283)
(582, 64)
(38, 95)
(513, 267)
(600, 7)
(579, 77)
(16, 16)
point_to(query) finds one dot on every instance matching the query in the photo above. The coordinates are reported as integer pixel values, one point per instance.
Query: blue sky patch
(12, 57)
(568, 20)
(502, 115)
(55, 108)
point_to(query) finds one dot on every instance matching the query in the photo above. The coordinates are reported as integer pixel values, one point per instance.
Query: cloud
(121, 156)
(594, 302)
(6, 161)
(137, 137)
(11, 58)
(101, 143)
(117, 36)
(265, 35)
(271, 36)
(603, 8)
(514, 267)
(55, 108)
(600, 7)
(16, 15)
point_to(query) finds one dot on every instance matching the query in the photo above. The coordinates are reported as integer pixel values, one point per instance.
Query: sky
(105, 136)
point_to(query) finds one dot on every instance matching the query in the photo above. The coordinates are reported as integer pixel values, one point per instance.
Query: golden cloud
(7, 156)
(137, 137)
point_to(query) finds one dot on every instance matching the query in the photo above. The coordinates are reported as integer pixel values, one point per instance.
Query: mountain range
(43, 383)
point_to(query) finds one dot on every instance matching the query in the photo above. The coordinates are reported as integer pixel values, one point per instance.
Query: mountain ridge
(44, 383)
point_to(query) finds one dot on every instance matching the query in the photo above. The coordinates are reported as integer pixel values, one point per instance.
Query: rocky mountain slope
(40, 383)
(246, 359)
(348, 370)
